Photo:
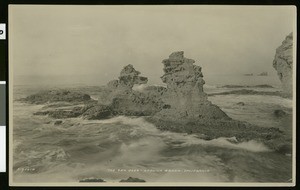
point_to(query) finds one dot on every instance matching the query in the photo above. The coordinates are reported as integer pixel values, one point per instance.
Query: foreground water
(123, 147)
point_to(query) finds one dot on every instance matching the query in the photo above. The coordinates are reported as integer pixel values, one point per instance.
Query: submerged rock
(283, 64)
(131, 179)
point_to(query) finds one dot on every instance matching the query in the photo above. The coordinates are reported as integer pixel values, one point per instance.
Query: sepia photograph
(157, 95)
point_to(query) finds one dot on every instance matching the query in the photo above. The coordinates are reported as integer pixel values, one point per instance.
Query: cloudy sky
(99, 40)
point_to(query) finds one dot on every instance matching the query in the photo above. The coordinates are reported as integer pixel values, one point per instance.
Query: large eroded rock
(283, 63)
(184, 93)
(123, 100)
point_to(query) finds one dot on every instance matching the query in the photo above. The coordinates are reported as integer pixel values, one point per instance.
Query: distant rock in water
(248, 92)
(131, 179)
(283, 64)
(263, 74)
(56, 96)
(248, 74)
(247, 86)
(262, 86)
(91, 180)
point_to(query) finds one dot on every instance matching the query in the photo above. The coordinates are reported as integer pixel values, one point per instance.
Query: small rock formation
(184, 93)
(283, 64)
(62, 113)
(92, 179)
(97, 112)
(131, 179)
(240, 104)
(263, 74)
(56, 96)
(123, 100)
(128, 77)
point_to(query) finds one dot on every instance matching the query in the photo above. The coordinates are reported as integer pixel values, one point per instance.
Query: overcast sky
(100, 40)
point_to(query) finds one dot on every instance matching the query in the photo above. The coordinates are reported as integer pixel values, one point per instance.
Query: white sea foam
(139, 87)
(145, 127)
(191, 140)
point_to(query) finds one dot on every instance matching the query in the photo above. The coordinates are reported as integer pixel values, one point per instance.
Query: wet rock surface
(283, 64)
(97, 112)
(184, 93)
(56, 96)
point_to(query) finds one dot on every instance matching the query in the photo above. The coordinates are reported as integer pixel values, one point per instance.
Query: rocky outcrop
(91, 179)
(62, 112)
(263, 74)
(128, 77)
(283, 63)
(123, 100)
(132, 179)
(184, 93)
(98, 112)
(56, 96)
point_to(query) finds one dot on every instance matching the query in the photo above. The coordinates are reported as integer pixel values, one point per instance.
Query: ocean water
(123, 147)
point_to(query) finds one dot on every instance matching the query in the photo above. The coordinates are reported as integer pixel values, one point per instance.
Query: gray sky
(100, 40)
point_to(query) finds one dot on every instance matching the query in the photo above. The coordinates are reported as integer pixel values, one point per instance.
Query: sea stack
(185, 93)
(123, 100)
(283, 64)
